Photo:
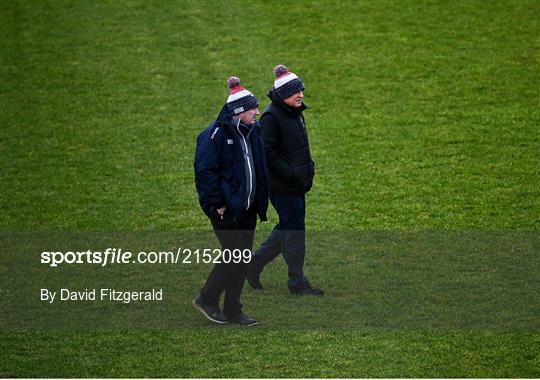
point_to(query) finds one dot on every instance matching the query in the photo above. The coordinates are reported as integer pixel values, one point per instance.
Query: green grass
(312, 353)
(423, 117)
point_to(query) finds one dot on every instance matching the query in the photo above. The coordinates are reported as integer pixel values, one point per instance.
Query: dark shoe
(253, 279)
(211, 312)
(307, 290)
(244, 320)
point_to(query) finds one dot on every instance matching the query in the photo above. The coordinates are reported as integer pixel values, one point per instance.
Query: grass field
(423, 122)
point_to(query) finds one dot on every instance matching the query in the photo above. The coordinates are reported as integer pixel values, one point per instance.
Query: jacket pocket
(220, 222)
(295, 176)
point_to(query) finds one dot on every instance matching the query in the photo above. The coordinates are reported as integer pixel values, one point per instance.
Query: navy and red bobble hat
(240, 100)
(286, 82)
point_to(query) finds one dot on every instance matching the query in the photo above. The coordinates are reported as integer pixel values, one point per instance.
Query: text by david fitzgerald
(101, 295)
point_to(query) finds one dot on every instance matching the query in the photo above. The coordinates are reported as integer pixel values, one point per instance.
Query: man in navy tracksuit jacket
(230, 176)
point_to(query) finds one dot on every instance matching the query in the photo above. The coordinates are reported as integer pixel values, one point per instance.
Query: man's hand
(221, 211)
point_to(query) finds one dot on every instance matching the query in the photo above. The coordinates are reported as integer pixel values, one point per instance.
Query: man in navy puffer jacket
(290, 177)
(230, 176)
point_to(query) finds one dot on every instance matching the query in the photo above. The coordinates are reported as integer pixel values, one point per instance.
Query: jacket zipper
(304, 135)
(249, 166)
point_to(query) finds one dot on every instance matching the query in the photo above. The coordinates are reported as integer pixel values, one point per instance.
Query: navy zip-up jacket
(220, 175)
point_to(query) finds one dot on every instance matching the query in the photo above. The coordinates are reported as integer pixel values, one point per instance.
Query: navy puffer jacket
(288, 157)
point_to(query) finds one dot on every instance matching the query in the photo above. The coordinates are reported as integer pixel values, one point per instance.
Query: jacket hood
(224, 118)
(279, 102)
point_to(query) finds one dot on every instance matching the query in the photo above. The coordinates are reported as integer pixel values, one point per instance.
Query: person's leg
(273, 245)
(292, 213)
(268, 251)
(246, 225)
(212, 289)
(219, 279)
(246, 231)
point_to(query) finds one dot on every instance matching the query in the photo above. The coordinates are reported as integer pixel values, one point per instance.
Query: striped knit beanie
(286, 82)
(240, 100)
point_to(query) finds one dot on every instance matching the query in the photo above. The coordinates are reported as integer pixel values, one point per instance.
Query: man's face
(249, 117)
(295, 100)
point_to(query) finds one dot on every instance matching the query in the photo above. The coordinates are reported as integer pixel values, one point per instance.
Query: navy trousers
(229, 277)
(288, 238)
